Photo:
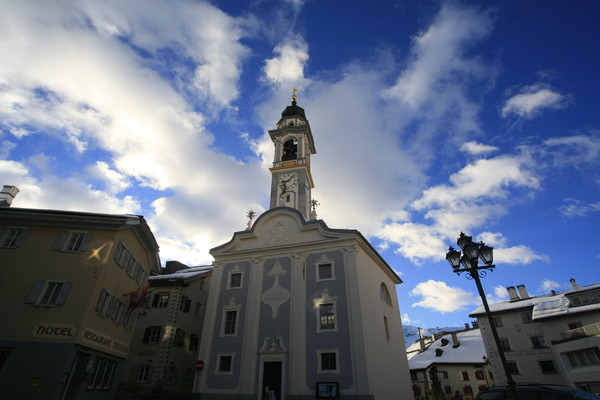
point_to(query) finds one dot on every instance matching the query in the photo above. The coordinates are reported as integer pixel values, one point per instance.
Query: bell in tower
(291, 179)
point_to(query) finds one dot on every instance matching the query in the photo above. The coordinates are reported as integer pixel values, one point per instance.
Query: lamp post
(471, 253)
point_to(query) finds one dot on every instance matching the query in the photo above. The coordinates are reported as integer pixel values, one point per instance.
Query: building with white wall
(552, 338)
(298, 310)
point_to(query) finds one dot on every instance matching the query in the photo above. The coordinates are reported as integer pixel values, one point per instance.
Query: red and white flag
(138, 297)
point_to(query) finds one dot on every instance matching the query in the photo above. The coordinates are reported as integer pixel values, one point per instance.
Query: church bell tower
(291, 180)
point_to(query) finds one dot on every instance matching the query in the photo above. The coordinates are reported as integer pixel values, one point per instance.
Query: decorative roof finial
(250, 215)
(294, 97)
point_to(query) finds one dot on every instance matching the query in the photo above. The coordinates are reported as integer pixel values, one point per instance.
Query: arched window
(385, 294)
(290, 150)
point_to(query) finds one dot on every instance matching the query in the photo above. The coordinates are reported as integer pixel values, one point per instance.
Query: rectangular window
(230, 322)
(102, 374)
(74, 241)
(171, 378)
(325, 271)
(505, 344)
(224, 364)
(143, 374)
(513, 368)
(185, 304)
(547, 367)
(48, 293)
(538, 342)
(526, 317)
(464, 375)
(179, 338)
(235, 280)
(188, 377)
(387, 328)
(11, 237)
(198, 311)
(584, 357)
(326, 316)
(497, 321)
(479, 375)
(160, 300)
(328, 362)
(444, 374)
(152, 334)
(194, 339)
(4, 352)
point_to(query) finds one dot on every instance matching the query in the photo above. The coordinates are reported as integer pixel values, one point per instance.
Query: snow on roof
(182, 274)
(544, 306)
(470, 351)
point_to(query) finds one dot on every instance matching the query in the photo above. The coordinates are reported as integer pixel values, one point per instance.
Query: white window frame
(218, 364)
(324, 260)
(320, 369)
(40, 289)
(232, 306)
(326, 299)
(154, 334)
(75, 241)
(99, 379)
(236, 270)
(11, 236)
(143, 374)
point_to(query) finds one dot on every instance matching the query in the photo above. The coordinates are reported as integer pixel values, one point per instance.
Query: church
(298, 310)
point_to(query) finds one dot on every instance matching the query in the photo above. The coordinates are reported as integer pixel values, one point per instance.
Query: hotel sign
(50, 330)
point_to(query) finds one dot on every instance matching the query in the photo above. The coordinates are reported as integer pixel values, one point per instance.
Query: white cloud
(531, 100)
(287, 67)
(547, 285)
(477, 148)
(438, 296)
(577, 208)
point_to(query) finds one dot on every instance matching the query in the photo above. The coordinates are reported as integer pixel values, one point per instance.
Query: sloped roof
(544, 306)
(470, 351)
(181, 275)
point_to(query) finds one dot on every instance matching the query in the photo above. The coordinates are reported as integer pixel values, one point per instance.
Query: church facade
(298, 310)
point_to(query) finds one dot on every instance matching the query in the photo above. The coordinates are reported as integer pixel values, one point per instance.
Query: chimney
(522, 292)
(7, 195)
(420, 333)
(467, 326)
(512, 293)
(475, 324)
(572, 280)
(422, 344)
(455, 342)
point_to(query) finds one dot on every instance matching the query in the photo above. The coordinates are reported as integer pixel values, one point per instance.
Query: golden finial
(294, 97)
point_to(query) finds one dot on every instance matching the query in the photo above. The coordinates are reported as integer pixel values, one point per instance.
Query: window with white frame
(143, 373)
(235, 278)
(171, 377)
(538, 342)
(230, 322)
(325, 269)
(160, 300)
(326, 316)
(583, 358)
(73, 241)
(224, 364)
(102, 374)
(152, 334)
(12, 237)
(328, 361)
(179, 338)
(185, 305)
(229, 318)
(48, 293)
(505, 344)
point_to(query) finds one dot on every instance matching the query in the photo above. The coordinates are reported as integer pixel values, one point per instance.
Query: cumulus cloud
(438, 296)
(288, 64)
(532, 100)
(548, 285)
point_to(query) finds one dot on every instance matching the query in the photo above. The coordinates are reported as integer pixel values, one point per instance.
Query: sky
(430, 118)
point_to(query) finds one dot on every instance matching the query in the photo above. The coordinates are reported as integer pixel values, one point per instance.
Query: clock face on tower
(288, 181)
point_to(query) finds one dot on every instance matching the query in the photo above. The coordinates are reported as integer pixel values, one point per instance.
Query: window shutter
(60, 242)
(35, 292)
(86, 242)
(155, 300)
(146, 335)
(62, 295)
(22, 238)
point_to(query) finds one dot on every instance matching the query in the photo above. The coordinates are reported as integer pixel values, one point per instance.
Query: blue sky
(429, 117)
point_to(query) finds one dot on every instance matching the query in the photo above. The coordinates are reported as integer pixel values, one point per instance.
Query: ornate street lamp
(471, 253)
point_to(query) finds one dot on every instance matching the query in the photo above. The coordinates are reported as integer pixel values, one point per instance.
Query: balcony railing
(584, 331)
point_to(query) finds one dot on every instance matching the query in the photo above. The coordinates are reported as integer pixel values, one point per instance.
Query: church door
(272, 380)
